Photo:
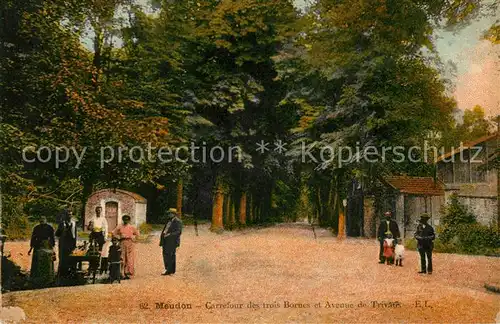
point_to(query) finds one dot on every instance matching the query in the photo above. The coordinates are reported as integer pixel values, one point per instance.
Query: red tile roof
(425, 186)
(137, 197)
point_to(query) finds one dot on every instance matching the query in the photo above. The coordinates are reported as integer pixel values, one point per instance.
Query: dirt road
(274, 275)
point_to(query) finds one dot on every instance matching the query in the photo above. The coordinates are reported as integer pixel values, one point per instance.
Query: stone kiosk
(115, 203)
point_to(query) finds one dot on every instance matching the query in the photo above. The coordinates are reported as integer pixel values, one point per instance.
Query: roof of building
(137, 197)
(425, 186)
(467, 146)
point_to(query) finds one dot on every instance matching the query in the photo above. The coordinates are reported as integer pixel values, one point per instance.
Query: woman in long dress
(42, 266)
(127, 234)
(42, 262)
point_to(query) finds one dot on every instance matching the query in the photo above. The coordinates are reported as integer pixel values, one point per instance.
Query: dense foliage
(96, 74)
(459, 231)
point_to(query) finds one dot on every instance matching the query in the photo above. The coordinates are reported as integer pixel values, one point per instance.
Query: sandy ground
(266, 272)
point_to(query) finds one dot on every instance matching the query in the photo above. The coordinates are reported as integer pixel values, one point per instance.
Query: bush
(460, 232)
(477, 238)
(18, 228)
(457, 213)
(14, 222)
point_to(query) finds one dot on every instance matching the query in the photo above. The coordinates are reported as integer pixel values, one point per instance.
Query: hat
(125, 217)
(173, 210)
(425, 216)
(114, 238)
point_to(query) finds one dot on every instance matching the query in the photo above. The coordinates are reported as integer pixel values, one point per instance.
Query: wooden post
(179, 198)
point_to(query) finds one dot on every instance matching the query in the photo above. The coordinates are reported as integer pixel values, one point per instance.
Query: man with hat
(170, 240)
(127, 234)
(387, 227)
(425, 237)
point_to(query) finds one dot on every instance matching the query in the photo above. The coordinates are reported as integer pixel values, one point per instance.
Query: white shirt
(100, 225)
(73, 227)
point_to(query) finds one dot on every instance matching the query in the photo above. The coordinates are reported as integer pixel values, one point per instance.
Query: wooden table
(93, 262)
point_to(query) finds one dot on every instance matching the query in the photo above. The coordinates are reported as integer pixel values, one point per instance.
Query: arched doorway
(111, 213)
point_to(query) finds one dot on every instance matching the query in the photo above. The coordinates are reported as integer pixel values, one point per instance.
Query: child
(114, 260)
(399, 253)
(389, 249)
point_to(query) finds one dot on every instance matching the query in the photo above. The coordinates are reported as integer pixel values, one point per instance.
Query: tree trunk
(243, 208)
(341, 234)
(179, 198)
(498, 173)
(232, 218)
(331, 207)
(250, 209)
(218, 203)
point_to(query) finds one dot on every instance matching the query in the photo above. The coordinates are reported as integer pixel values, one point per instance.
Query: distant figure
(387, 226)
(99, 228)
(425, 237)
(170, 240)
(127, 234)
(399, 253)
(3, 238)
(42, 263)
(67, 233)
(115, 260)
(389, 248)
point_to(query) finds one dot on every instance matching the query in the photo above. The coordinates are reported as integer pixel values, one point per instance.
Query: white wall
(140, 213)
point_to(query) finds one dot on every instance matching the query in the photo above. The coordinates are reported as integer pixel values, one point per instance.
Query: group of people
(389, 238)
(121, 256)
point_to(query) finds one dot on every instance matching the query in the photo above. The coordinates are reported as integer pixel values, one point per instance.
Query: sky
(478, 66)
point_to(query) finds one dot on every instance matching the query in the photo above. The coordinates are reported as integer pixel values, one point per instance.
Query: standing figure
(387, 226)
(66, 232)
(115, 260)
(42, 263)
(127, 233)
(389, 249)
(399, 253)
(98, 228)
(425, 237)
(170, 240)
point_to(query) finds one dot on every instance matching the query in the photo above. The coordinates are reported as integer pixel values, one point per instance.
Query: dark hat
(425, 216)
(125, 217)
(114, 238)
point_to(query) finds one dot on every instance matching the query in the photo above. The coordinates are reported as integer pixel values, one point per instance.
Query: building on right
(468, 172)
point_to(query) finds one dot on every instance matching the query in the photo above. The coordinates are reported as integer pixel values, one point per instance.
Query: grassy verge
(441, 247)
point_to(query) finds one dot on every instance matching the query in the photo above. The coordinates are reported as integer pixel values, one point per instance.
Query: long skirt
(128, 256)
(42, 268)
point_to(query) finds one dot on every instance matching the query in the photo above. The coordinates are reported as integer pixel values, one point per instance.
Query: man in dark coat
(170, 240)
(387, 226)
(66, 231)
(425, 237)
